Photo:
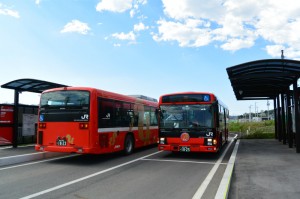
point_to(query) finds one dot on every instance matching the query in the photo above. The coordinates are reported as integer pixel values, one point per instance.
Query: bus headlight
(209, 142)
(162, 141)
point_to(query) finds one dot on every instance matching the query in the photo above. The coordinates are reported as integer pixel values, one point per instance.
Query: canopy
(31, 85)
(263, 79)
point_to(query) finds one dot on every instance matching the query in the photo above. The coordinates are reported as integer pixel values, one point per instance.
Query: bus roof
(144, 97)
(107, 94)
(214, 97)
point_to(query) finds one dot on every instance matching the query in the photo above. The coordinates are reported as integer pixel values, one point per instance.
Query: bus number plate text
(61, 142)
(184, 149)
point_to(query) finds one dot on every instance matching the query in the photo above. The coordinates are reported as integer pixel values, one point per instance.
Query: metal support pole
(279, 120)
(16, 120)
(283, 122)
(289, 119)
(275, 118)
(297, 116)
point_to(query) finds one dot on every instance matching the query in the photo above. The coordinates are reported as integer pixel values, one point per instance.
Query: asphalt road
(147, 173)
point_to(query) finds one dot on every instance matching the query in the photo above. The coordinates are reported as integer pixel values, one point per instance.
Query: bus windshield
(64, 106)
(65, 99)
(186, 116)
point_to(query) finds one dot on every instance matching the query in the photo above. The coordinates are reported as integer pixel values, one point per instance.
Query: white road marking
(179, 161)
(37, 162)
(10, 147)
(86, 177)
(15, 156)
(199, 193)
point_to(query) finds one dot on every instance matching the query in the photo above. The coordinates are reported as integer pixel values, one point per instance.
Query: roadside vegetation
(253, 130)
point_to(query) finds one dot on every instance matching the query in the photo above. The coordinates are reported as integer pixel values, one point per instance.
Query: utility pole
(256, 109)
(250, 113)
(268, 104)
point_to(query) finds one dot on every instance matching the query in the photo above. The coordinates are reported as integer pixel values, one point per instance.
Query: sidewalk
(265, 169)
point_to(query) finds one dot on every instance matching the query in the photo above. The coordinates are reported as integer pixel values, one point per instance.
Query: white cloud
(121, 6)
(8, 12)
(139, 27)
(143, 2)
(77, 27)
(274, 50)
(183, 9)
(37, 2)
(232, 24)
(130, 36)
(114, 5)
(186, 34)
(234, 44)
(123, 36)
(132, 13)
(117, 45)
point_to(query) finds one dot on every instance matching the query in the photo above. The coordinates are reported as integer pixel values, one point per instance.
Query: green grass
(254, 130)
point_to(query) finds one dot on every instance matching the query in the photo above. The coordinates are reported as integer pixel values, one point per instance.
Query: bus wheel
(128, 144)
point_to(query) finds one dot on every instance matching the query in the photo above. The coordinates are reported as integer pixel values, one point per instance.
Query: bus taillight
(83, 125)
(42, 125)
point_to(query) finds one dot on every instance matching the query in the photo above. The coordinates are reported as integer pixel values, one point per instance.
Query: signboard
(6, 114)
(6, 122)
(29, 122)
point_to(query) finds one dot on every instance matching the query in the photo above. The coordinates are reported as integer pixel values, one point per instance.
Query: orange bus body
(92, 121)
(192, 122)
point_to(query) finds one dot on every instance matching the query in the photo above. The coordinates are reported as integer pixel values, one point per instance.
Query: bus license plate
(184, 149)
(61, 142)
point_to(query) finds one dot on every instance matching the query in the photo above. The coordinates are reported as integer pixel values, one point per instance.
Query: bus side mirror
(159, 113)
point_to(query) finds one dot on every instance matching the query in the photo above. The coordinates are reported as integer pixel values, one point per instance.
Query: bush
(254, 130)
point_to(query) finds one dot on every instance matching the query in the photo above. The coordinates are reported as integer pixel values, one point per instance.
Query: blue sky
(149, 47)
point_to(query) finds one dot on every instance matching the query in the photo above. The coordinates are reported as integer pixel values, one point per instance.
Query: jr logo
(210, 134)
(85, 117)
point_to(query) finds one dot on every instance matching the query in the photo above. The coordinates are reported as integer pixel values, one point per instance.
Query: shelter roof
(263, 79)
(31, 85)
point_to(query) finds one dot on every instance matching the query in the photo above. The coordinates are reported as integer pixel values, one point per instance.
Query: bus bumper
(80, 150)
(188, 148)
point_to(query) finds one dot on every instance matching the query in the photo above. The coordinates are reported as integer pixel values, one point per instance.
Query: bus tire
(128, 144)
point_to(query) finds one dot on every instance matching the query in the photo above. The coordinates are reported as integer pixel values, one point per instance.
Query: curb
(224, 186)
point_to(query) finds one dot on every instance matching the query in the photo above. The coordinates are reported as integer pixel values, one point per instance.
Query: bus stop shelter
(25, 85)
(272, 79)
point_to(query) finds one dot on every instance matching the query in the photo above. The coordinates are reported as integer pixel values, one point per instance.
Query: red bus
(93, 121)
(192, 122)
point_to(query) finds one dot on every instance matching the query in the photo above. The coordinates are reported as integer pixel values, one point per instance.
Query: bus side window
(216, 114)
(135, 112)
(127, 115)
(153, 116)
(105, 113)
(146, 116)
(221, 117)
(118, 114)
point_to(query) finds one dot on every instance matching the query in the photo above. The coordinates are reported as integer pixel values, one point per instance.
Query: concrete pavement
(265, 169)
